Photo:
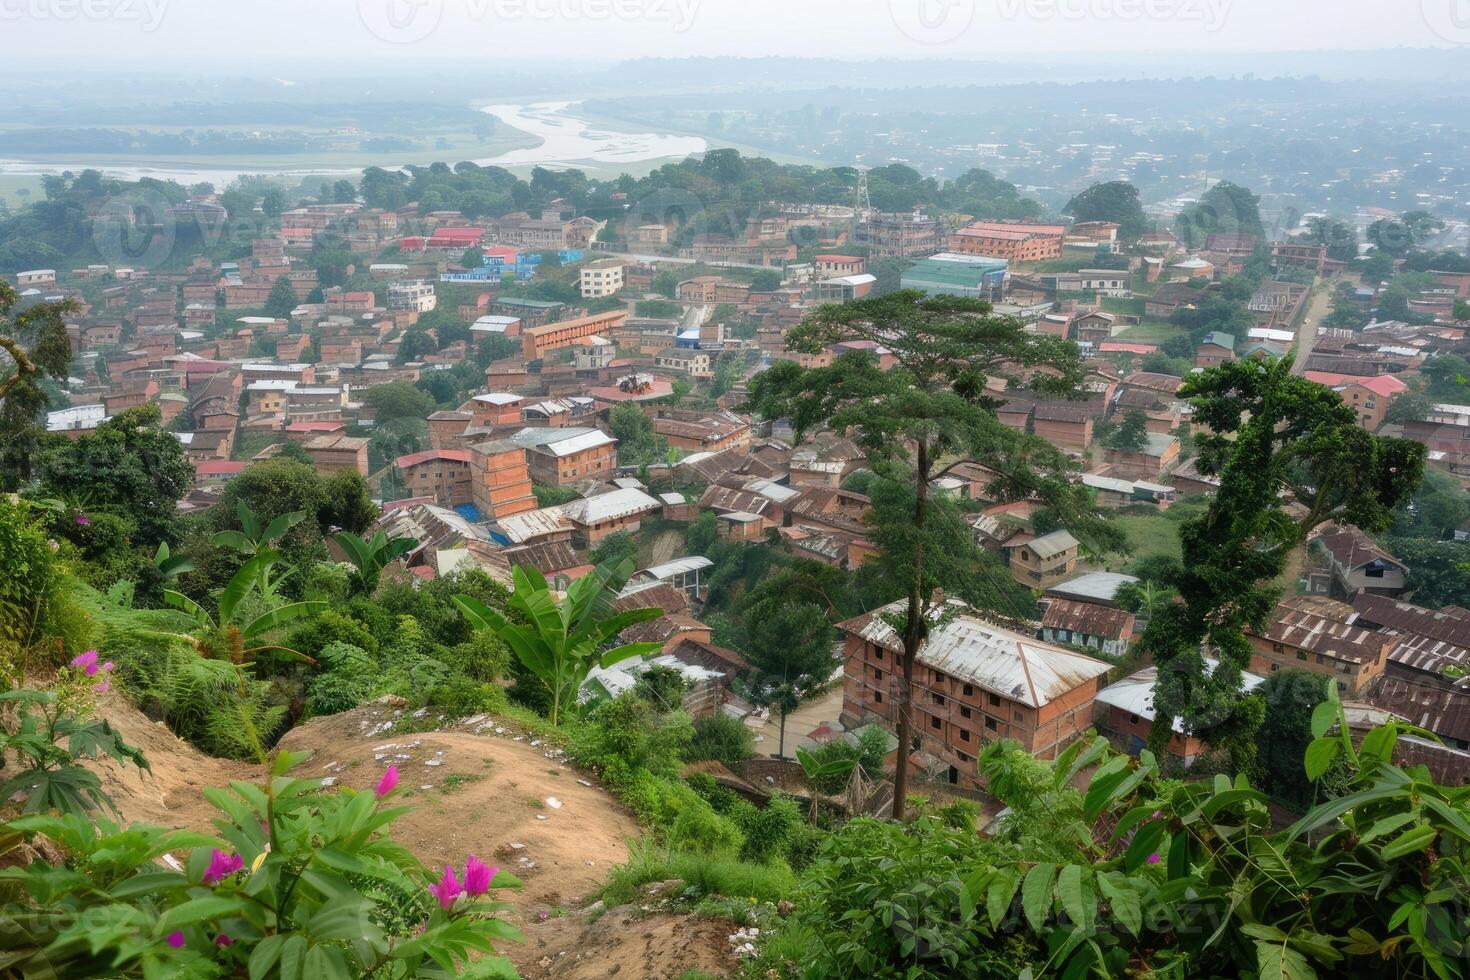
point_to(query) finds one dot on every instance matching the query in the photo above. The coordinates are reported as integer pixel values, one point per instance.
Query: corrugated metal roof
(520, 528)
(989, 656)
(1050, 545)
(679, 566)
(1135, 693)
(609, 506)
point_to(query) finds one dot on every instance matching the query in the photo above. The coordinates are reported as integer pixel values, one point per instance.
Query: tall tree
(282, 299)
(792, 648)
(1116, 201)
(932, 402)
(1275, 440)
(36, 342)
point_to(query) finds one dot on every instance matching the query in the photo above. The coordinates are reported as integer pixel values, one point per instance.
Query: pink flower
(1153, 859)
(388, 783)
(108, 667)
(221, 866)
(83, 520)
(447, 889)
(87, 661)
(176, 939)
(223, 940)
(478, 877)
(102, 687)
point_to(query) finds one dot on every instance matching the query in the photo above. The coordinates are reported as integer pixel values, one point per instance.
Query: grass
(1155, 534)
(702, 876)
(11, 186)
(1150, 332)
(1131, 306)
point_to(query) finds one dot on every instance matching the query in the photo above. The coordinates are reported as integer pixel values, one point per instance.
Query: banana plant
(239, 636)
(256, 537)
(563, 638)
(369, 557)
(170, 566)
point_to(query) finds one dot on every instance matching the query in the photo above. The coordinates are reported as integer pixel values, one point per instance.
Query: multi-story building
(1043, 562)
(1012, 242)
(562, 457)
(902, 235)
(416, 296)
(538, 340)
(974, 682)
(500, 480)
(443, 474)
(601, 278)
(1354, 563)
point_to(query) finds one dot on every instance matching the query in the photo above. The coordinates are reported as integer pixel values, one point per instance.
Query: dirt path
(481, 788)
(1306, 335)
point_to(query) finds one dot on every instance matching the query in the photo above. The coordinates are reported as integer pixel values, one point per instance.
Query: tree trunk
(781, 740)
(913, 635)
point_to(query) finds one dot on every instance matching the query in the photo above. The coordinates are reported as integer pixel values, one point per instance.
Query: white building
(602, 278)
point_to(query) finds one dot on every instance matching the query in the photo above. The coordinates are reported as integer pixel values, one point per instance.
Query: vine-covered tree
(1275, 440)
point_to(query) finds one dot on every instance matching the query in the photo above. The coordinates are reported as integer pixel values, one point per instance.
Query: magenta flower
(83, 520)
(176, 939)
(478, 877)
(221, 866)
(87, 662)
(108, 667)
(1153, 859)
(447, 889)
(102, 687)
(388, 783)
(223, 940)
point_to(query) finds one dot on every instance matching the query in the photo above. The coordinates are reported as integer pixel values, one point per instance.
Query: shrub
(302, 883)
(702, 876)
(699, 830)
(721, 738)
(462, 696)
(768, 830)
(347, 681)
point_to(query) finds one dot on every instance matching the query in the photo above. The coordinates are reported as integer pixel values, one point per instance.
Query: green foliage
(316, 888)
(548, 496)
(370, 557)
(346, 682)
(37, 346)
(638, 444)
(140, 463)
(1116, 201)
(1184, 879)
(1439, 571)
(721, 738)
(616, 548)
(282, 299)
(398, 400)
(48, 777)
(561, 640)
(34, 605)
(1273, 439)
(701, 876)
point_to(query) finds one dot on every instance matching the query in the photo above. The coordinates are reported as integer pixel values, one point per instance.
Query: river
(565, 141)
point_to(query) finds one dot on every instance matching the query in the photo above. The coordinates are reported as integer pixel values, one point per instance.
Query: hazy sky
(234, 31)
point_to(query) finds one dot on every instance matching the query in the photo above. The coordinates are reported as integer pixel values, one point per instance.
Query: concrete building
(538, 340)
(954, 274)
(602, 278)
